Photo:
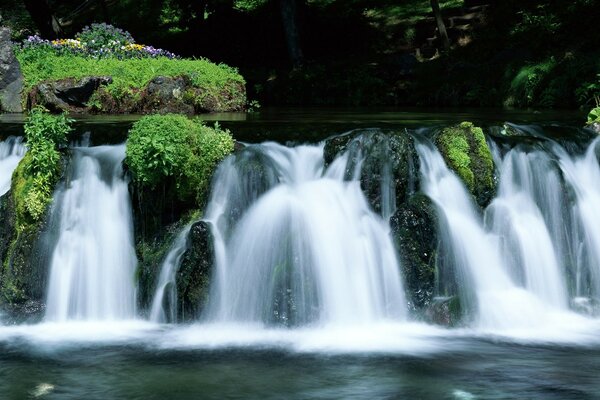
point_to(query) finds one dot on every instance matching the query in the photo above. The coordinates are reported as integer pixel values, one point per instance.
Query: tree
(437, 13)
(289, 17)
(44, 18)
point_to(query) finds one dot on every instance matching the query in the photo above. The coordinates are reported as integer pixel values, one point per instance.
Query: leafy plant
(173, 148)
(593, 116)
(40, 169)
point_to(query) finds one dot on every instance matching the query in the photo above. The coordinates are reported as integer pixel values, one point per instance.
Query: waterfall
(582, 173)
(93, 263)
(296, 244)
(485, 285)
(12, 151)
(526, 243)
(167, 286)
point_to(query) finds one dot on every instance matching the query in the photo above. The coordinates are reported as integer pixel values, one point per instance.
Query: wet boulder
(166, 95)
(467, 153)
(414, 231)
(11, 78)
(193, 277)
(72, 95)
(386, 163)
(445, 311)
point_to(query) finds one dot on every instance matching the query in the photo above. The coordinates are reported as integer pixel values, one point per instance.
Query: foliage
(163, 148)
(41, 63)
(40, 169)
(98, 41)
(593, 116)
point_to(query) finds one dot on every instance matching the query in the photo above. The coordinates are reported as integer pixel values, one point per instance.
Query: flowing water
(12, 151)
(307, 299)
(307, 250)
(93, 263)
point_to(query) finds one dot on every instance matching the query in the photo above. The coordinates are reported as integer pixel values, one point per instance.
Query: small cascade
(93, 263)
(526, 180)
(486, 288)
(166, 290)
(12, 151)
(582, 173)
(297, 244)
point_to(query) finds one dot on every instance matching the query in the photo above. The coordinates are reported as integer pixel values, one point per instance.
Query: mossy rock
(195, 272)
(466, 152)
(381, 156)
(414, 231)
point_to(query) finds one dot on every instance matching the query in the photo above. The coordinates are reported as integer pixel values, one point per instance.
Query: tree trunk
(289, 17)
(44, 19)
(437, 13)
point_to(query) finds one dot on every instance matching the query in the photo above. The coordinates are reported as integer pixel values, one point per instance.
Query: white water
(583, 176)
(526, 243)
(486, 288)
(167, 285)
(93, 262)
(307, 250)
(12, 151)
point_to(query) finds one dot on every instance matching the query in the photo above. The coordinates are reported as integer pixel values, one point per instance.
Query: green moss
(593, 116)
(173, 148)
(466, 152)
(129, 75)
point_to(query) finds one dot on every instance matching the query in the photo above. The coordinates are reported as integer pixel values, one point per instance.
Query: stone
(166, 95)
(193, 277)
(71, 95)
(386, 159)
(11, 78)
(414, 232)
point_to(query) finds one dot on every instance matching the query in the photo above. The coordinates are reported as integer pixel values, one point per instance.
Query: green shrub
(593, 116)
(173, 148)
(37, 174)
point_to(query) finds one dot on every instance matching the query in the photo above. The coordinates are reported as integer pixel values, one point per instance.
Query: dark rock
(387, 161)
(445, 311)
(11, 78)
(24, 272)
(414, 231)
(166, 95)
(595, 127)
(193, 277)
(29, 312)
(70, 94)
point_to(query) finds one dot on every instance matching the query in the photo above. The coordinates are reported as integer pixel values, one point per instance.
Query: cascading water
(12, 151)
(166, 290)
(93, 262)
(483, 280)
(526, 243)
(583, 176)
(296, 244)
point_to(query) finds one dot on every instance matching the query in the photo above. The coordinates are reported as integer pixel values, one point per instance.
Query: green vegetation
(466, 152)
(163, 148)
(39, 171)
(593, 116)
(129, 75)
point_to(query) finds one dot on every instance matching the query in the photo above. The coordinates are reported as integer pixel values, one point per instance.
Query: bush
(37, 174)
(173, 148)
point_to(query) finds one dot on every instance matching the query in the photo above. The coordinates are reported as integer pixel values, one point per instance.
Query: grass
(39, 65)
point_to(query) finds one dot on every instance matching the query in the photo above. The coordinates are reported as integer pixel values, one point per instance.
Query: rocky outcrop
(193, 277)
(387, 160)
(466, 152)
(11, 78)
(161, 95)
(24, 272)
(414, 231)
(72, 95)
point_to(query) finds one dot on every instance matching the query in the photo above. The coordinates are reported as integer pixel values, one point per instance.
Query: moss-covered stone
(466, 152)
(386, 160)
(193, 277)
(414, 231)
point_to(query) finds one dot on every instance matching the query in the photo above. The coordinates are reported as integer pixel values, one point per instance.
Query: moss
(466, 152)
